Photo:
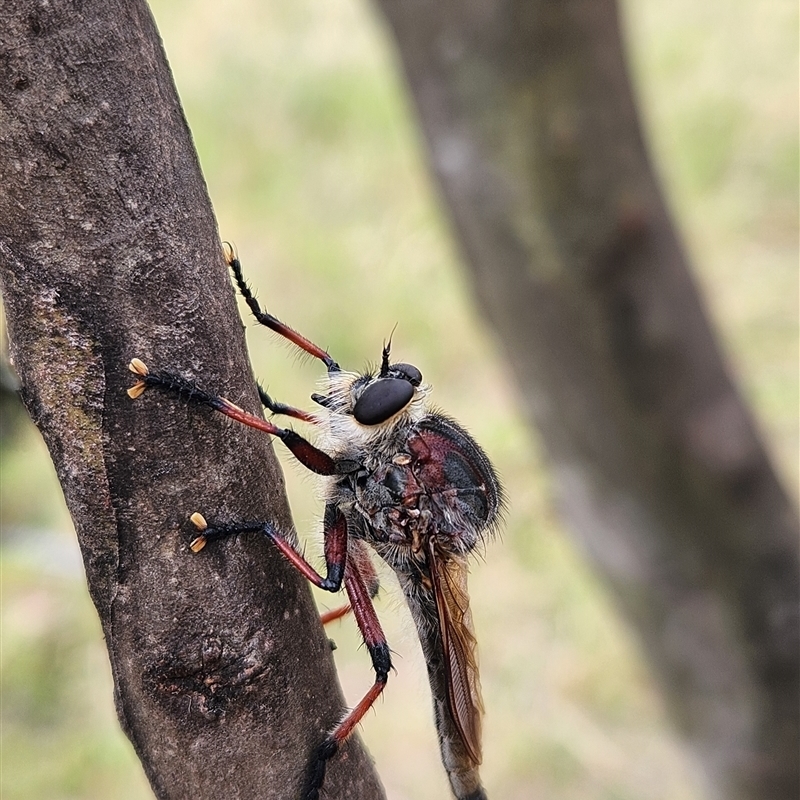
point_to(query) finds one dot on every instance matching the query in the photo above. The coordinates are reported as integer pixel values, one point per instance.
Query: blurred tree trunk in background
(533, 135)
(224, 679)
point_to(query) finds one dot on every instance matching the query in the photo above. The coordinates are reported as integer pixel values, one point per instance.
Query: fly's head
(367, 407)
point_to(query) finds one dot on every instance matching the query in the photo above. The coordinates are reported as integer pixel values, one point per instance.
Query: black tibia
(273, 323)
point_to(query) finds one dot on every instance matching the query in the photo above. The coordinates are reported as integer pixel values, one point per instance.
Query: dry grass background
(316, 172)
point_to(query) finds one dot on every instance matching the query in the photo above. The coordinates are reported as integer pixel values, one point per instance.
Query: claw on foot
(198, 543)
(137, 367)
(229, 251)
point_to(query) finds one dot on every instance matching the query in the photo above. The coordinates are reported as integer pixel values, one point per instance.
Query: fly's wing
(460, 648)
(435, 586)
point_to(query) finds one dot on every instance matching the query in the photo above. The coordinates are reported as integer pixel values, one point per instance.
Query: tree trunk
(224, 679)
(533, 135)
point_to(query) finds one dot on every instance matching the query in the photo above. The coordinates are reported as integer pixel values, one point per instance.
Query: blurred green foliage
(316, 172)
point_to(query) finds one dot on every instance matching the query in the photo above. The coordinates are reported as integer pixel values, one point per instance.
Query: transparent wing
(460, 648)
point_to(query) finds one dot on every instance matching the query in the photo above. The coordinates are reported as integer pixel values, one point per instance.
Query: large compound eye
(409, 372)
(382, 399)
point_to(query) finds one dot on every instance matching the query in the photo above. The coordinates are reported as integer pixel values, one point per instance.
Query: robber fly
(410, 483)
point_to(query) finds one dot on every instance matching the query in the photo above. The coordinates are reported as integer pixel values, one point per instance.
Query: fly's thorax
(406, 506)
(419, 477)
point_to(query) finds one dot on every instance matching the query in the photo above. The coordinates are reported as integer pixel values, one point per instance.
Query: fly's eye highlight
(382, 400)
(408, 372)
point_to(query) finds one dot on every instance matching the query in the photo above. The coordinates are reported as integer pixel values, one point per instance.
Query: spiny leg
(375, 640)
(359, 592)
(335, 537)
(273, 323)
(308, 455)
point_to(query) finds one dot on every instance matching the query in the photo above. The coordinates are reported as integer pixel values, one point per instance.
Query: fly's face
(375, 400)
(365, 409)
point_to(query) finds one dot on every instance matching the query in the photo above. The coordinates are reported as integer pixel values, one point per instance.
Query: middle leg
(357, 552)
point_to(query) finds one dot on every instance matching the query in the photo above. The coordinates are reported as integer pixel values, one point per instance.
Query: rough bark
(533, 135)
(224, 679)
